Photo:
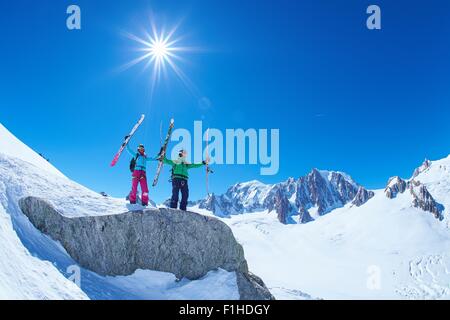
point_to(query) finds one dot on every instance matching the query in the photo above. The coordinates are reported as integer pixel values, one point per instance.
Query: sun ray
(160, 51)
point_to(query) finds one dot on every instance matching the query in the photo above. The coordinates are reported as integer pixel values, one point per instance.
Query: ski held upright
(162, 153)
(126, 140)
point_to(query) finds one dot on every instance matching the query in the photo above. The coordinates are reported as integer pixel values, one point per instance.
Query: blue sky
(370, 103)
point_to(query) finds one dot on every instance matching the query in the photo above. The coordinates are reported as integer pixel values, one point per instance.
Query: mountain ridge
(308, 197)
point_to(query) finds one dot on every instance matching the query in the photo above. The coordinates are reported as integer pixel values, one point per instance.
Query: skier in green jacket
(180, 178)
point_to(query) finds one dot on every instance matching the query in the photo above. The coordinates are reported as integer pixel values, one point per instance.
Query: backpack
(133, 162)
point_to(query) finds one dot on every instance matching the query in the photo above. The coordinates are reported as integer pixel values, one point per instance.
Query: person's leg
(134, 184)
(184, 194)
(175, 191)
(144, 188)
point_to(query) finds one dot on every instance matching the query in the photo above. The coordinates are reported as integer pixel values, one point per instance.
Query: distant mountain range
(304, 199)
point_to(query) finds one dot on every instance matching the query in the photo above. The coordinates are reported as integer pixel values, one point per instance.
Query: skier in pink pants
(139, 174)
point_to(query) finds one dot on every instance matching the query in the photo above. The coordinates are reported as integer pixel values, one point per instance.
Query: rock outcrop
(395, 186)
(362, 196)
(421, 198)
(425, 165)
(186, 244)
(304, 216)
(252, 287)
(282, 207)
(424, 200)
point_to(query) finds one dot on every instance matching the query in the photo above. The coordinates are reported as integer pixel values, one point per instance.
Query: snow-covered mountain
(33, 266)
(305, 199)
(295, 200)
(396, 245)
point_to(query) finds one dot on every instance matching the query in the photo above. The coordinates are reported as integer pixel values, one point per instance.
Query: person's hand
(126, 137)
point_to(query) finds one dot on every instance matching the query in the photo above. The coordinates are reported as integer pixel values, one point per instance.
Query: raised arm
(151, 158)
(195, 165)
(130, 151)
(167, 161)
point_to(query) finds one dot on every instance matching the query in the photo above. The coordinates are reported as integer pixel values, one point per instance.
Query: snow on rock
(431, 178)
(395, 186)
(436, 178)
(153, 239)
(424, 200)
(425, 165)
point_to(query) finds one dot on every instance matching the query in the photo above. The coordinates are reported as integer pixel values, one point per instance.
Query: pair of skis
(126, 140)
(162, 152)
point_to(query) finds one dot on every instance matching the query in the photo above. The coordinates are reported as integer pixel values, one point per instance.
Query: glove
(203, 162)
(126, 137)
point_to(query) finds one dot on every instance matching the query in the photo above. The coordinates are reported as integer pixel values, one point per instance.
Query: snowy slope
(13, 147)
(23, 276)
(33, 266)
(384, 249)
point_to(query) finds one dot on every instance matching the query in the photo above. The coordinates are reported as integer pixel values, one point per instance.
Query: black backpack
(133, 162)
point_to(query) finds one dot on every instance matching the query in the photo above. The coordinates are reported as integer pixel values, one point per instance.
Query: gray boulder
(186, 244)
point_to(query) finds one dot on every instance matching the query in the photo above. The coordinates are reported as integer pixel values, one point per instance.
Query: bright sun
(159, 51)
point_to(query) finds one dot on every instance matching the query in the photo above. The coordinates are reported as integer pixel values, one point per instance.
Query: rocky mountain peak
(395, 186)
(424, 166)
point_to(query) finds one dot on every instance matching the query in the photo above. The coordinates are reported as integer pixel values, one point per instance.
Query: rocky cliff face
(362, 196)
(395, 186)
(282, 207)
(183, 243)
(424, 200)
